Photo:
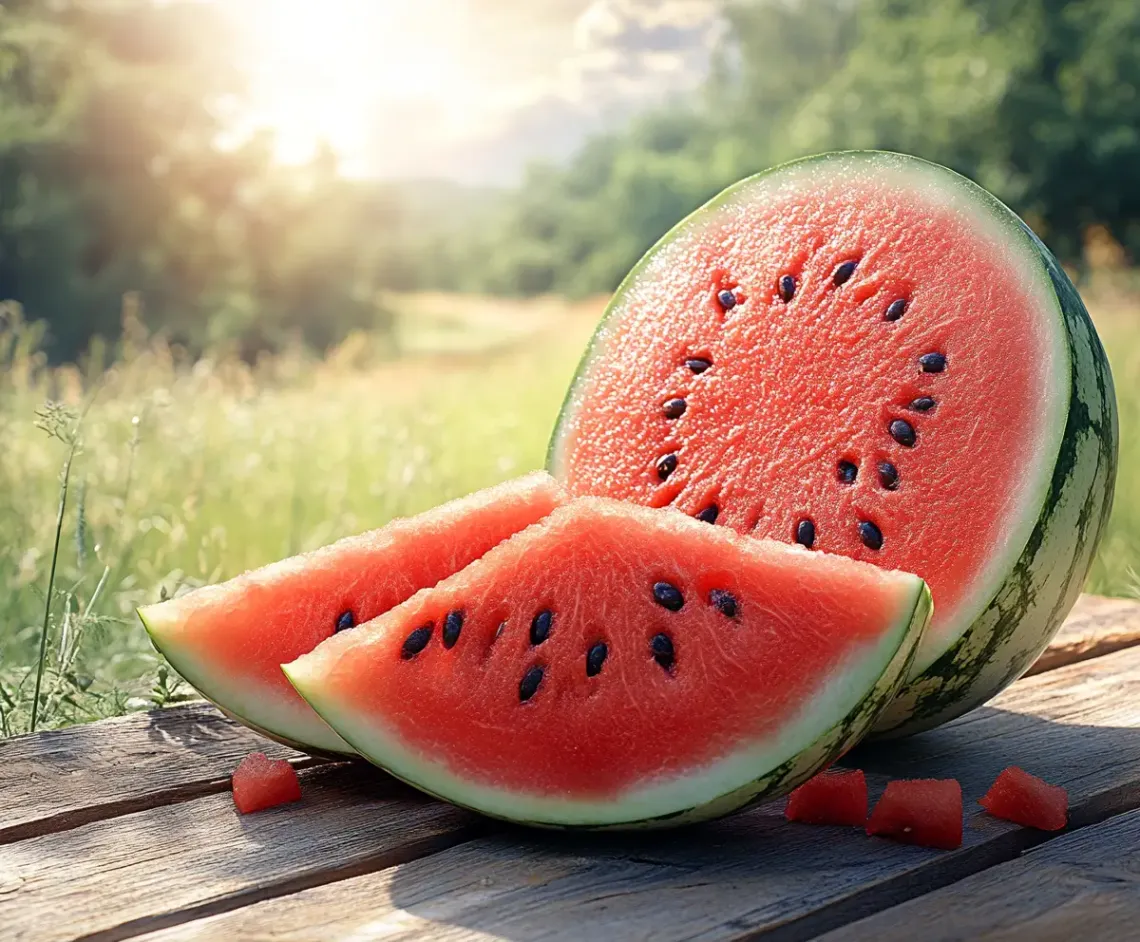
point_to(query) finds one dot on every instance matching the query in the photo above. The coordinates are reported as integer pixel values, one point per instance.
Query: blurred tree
(1038, 100)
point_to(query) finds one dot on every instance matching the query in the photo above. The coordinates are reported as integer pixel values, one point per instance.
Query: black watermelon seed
(595, 658)
(540, 626)
(668, 596)
(805, 533)
(528, 686)
(933, 362)
(416, 642)
(786, 287)
(666, 465)
(903, 433)
(895, 310)
(661, 647)
(674, 408)
(923, 404)
(726, 298)
(724, 602)
(843, 273)
(888, 476)
(847, 472)
(698, 364)
(709, 514)
(452, 625)
(345, 620)
(871, 535)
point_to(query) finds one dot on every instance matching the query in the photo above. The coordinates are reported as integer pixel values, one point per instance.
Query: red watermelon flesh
(230, 640)
(616, 665)
(1025, 799)
(260, 782)
(927, 812)
(865, 354)
(836, 796)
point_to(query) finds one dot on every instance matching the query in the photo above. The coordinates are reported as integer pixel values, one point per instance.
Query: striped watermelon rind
(1020, 613)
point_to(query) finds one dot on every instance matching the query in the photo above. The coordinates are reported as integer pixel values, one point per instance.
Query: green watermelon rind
(781, 779)
(322, 744)
(1023, 612)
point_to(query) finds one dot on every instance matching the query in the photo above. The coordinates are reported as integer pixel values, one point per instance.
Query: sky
(468, 90)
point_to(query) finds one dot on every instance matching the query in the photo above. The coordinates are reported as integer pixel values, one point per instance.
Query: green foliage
(1039, 100)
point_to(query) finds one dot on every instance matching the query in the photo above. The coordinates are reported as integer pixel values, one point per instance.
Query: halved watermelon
(1025, 799)
(837, 796)
(230, 640)
(870, 355)
(923, 811)
(618, 666)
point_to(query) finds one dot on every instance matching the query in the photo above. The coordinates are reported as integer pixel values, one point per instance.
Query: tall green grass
(188, 473)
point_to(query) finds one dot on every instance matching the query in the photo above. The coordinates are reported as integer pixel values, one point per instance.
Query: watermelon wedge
(867, 354)
(616, 666)
(230, 640)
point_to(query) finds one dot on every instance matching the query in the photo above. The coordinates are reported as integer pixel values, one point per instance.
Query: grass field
(185, 474)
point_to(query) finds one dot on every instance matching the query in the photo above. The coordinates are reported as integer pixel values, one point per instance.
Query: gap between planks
(58, 780)
(753, 876)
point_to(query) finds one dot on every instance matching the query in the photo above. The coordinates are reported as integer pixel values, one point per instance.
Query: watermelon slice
(1025, 799)
(870, 355)
(260, 782)
(230, 640)
(836, 796)
(924, 811)
(616, 666)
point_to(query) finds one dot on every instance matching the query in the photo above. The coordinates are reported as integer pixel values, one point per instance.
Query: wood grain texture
(750, 876)
(1096, 626)
(58, 780)
(116, 878)
(1085, 885)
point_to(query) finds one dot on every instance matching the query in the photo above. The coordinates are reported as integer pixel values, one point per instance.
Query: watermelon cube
(832, 797)
(927, 812)
(260, 782)
(1025, 799)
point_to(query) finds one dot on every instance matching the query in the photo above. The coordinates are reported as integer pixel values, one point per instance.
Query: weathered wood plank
(116, 878)
(751, 876)
(59, 780)
(1085, 885)
(1096, 626)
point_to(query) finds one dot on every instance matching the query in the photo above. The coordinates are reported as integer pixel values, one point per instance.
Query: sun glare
(344, 71)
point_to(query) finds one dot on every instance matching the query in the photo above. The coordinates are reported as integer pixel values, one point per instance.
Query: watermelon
(836, 796)
(925, 811)
(617, 666)
(230, 640)
(867, 354)
(260, 782)
(1025, 799)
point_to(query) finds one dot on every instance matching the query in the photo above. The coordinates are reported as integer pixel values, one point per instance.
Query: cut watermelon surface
(260, 782)
(925, 811)
(837, 797)
(230, 640)
(619, 666)
(869, 355)
(1027, 800)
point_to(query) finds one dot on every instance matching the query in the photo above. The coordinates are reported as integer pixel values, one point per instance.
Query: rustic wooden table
(125, 830)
